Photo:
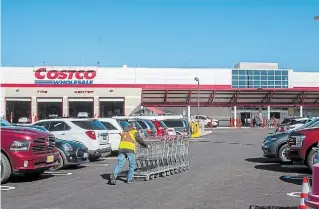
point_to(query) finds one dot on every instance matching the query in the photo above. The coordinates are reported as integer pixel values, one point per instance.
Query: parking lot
(227, 171)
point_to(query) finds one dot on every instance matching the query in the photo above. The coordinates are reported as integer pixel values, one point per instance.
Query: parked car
(71, 153)
(275, 144)
(295, 124)
(162, 129)
(281, 127)
(178, 125)
(300, 144)
(115, 131)
(124, 122)
(188, 127)
(206, 120)
(147, 126)
(91, 132)
(316, 157)
(25, 151)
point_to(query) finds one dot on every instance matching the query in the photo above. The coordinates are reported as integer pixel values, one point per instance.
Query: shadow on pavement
(277, 167)
(272, 207)
(122, 177)
(26, 178)
(297, 180)
(263, 160)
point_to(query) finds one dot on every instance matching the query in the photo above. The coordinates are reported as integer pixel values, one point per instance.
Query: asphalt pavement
(227, 171)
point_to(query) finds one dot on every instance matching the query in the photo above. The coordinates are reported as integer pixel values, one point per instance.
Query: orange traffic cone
(304, 193)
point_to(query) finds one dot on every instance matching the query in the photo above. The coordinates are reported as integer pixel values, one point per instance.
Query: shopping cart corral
(166, 156)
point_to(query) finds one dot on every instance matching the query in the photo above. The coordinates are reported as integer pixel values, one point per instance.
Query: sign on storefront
(61, 77)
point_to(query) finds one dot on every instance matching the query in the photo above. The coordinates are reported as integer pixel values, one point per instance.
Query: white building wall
(304, 79)
(25, 75)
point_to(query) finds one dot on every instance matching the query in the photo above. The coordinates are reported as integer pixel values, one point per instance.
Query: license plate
(104, 137)
(50, 159)
(85, 155)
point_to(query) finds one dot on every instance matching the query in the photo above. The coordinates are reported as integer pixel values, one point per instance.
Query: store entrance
(82, 106)
(49, 108)
(245, 118)
(18, 110)
(111, 107)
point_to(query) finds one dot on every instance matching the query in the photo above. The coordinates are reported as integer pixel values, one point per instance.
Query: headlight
(22, 145)
(299, 140)
(67, 147)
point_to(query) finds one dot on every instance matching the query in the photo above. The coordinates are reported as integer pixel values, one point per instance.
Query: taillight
(91, 134)
(185, 130)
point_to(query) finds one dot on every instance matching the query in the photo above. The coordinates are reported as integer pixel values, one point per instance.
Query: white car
(115, 131)
(90, 132)
(296, 123)
(205, 120)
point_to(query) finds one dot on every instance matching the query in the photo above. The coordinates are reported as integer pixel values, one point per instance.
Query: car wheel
(59, 163)
(310, 159)
(282, 154)
(5, 169)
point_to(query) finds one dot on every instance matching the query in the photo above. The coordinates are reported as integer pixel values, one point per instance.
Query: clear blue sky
(160, 33)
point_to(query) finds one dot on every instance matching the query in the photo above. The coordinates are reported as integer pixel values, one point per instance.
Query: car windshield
(90, 124)
(309, 124)
(5, 123)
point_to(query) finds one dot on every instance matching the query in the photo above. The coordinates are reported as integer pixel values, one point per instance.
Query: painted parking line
(294, 194)
(6, 188)
(58, 173)
(96, 164)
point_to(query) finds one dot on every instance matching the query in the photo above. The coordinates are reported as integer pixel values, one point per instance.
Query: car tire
(310, 158)
(60, 163)
(5, 169)
(281, 154)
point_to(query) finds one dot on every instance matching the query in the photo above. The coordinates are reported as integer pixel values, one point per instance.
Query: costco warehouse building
(243, 90)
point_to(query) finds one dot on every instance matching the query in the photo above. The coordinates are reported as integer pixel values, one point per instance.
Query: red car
(300, 145)
(25, 151)
(162, 129)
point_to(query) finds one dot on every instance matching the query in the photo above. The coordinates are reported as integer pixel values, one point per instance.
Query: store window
(260, 78)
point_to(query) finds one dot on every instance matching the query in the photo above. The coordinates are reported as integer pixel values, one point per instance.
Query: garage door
(111, 99)
(49, 100)
(81, 99)
(18, 99)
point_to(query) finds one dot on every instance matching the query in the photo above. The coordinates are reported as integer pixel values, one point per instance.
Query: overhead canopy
(232, 97)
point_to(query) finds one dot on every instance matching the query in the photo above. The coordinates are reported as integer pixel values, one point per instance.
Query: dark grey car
(275, 145)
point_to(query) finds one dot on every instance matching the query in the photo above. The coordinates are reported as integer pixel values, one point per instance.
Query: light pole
(196, 79)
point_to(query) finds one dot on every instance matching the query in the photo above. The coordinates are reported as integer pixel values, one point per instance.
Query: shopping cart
(166, 156)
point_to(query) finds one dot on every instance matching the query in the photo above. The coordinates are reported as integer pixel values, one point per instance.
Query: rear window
(143, 124)
(109, 126)
(150, 124)
(294, 122)
(173, 123)
(285, 122)
(90, 124)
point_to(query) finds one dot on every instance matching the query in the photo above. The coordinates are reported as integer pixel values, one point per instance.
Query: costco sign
(61, 77)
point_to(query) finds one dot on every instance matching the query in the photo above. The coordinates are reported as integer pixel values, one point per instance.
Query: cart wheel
(187, 167)
(167, 173)
(147, 178)
(151, 177)
(172, 172)
(164, 174)
(176, 171)
(184, 168)
(156, 175)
